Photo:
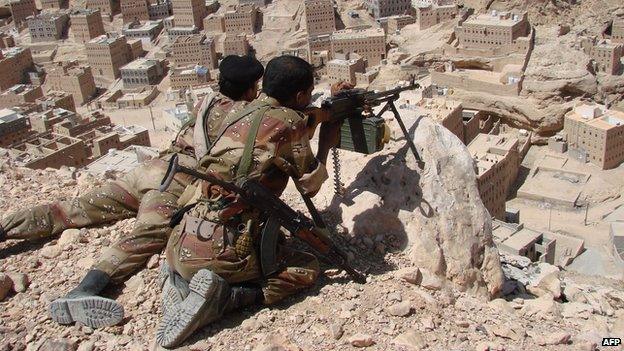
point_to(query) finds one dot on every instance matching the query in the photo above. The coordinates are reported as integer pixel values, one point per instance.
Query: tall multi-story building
(607, 56)
(446, 112)
(108, 8)
(617, 31)
(189, 76)
(134, 10)
(497, 160)
(47, 26)
(189, 13)
(14, 64)
(142, 72)
(86, 24)
(57, 99)
(344, 67)
(242, 20)
(20, 94)
(396, 23)
(430, 14)
(107, 54)
(72, 78)
(214, 24)
(54, 4)
(235, 45)
(143, 30)
(161, 9)
(596, 134)
(21, 9)
(197, 49)
(14, 127)
(387, 8)
(494, 30)
(319, 17)
(6, 41)
(370, 44)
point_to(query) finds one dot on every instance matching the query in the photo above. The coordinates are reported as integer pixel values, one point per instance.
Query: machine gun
(278, 214)
(362, 130)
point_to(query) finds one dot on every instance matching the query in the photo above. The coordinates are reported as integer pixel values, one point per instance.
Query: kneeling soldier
(215, 247)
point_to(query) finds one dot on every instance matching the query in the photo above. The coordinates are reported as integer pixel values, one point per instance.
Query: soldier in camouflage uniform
(135, 194)
(215, 247)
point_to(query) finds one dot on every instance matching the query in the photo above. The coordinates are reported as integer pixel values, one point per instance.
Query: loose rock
(361, 340)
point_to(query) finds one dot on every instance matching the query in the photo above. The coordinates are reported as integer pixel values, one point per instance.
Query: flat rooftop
(20, 89)
(597, 116)
(494, 18)
(147, 25)
(192, 39)
(358, 33)
(522, 238)
(7, 115)
(141, 63)
(105, 39)
(488, 150)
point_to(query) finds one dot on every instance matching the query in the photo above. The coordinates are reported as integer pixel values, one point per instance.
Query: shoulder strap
(244, 167)
(201, 140)
(231, 120)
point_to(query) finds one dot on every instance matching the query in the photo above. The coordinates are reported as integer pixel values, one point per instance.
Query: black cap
(241, 69)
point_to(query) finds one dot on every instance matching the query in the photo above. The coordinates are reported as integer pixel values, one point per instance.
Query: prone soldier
(135, 194)
(215, 248)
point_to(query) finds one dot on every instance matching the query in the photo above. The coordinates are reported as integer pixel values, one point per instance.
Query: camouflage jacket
(219, 108)
(281, 150)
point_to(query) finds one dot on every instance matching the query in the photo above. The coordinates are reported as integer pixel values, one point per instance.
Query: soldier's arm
(294, 156)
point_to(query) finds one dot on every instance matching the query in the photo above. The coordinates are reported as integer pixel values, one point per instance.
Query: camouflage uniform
(220, 233)
(134, 194)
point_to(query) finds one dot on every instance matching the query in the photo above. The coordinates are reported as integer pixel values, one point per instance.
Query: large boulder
(436, 215)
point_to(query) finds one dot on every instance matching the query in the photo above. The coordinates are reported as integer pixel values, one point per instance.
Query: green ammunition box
(363, 135)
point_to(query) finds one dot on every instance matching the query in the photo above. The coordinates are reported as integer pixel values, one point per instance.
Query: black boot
(243, 296)
(82, 304)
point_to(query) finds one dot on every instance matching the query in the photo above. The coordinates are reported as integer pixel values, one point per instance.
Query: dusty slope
(388, 310)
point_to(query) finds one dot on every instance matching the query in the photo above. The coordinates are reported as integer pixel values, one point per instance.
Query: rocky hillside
(422, 237)
(558, 73)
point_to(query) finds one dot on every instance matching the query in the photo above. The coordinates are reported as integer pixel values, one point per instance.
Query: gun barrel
(372, 97)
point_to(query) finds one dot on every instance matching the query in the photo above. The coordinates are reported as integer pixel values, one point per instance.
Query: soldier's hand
(340, 86)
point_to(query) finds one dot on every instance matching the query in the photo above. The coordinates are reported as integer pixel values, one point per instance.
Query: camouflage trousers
(187, 254)
(135, 194)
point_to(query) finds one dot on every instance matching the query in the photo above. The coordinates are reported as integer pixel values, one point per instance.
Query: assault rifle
(362, 130)
(278, 214)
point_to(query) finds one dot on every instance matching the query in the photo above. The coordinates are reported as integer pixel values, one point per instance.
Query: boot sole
(181, 321)
(171, 295)
(92, 311)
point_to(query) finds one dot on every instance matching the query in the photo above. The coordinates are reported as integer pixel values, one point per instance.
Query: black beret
(241, 69)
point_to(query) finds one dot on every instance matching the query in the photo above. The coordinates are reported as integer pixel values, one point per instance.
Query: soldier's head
(289, 80)
(239, 77)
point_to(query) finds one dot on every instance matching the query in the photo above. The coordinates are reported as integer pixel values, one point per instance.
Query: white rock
(68, 237)
(153, 261)
(501, 305)
(576, 310)
(400, 309)
(20, 281)
(412, 339)
(547, 281)
(6, 285)
(361, 340)
(410, 275)
(51, 251)
(430, 281)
